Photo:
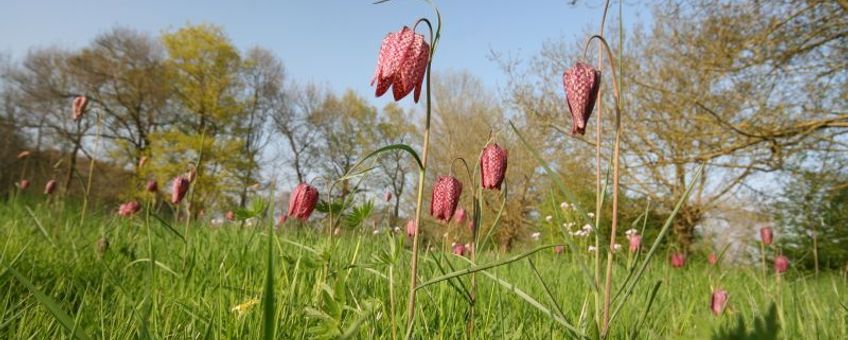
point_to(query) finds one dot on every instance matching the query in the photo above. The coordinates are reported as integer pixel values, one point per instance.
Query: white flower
(631, 232)
(376, 231)
(616, 247)
(591, 214)
(217, 221)
(592, 249)
(549, 218)
(564, 205)
(587, 228)
(396, 229)
(536, 235)
(250, 222)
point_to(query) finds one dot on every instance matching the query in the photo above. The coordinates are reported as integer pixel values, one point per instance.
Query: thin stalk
(90, 172)
(598, 195)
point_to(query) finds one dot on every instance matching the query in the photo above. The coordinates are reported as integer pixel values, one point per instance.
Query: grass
(53, 284)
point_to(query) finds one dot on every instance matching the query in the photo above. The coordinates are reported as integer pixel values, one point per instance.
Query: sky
(333, 42)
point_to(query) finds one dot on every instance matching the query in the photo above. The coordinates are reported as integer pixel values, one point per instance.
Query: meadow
(55, 282)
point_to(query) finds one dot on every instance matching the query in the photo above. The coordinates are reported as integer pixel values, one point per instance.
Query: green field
(54, 283)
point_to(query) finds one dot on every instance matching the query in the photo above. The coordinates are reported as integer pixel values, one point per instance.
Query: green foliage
(765, 328)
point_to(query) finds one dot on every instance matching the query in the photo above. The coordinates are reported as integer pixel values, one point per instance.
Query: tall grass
(340, 287)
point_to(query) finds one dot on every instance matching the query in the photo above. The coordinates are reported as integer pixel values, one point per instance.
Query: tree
(291, 116)
(745, 87)
(394, 127)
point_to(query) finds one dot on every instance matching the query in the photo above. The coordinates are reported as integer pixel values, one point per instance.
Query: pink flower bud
(459, 216)
(559, 249)
(79, 105)
(152, 186)
(401, 64)
(282, 219)
(459, 249)
(50, 187)
(581, 84)
(23, 184)
(712, 259)
(302, 202)
(411, 228)
(446, 194)
(179, 189)
(635, 242)
(230, 215)
(781, 264)
(678, 260)
(388, 196)
(24, 154)
(766, 235)
(718, 301)
(128, 209)
(493, 164)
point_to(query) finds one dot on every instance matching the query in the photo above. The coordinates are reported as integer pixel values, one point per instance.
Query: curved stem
(410, 307)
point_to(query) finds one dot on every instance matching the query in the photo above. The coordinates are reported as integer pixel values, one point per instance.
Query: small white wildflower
(616, 247)
(549, 218)
(445, 235)
(631, 232)
(217, 221)
(536, 235)
(591, 214)
(453, 244)
(564, 205)
(592, 249)
(587, 228)
(376, 231)
(396, 229)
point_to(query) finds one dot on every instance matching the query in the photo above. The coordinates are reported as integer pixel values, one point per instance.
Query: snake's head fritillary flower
(24, 154)
(766, 235)
(781, 264)
(152, 186)
(23, 184)
(302, 202)
(50, 187)
(718, 301)
(130, 208)
(142, 161)
(712, 259)
(179, 189)
(388, 196)
(459, 249)
(230, 215)
(282, 219)
(401, 64)
(635, 241)
(446, 194)
(459, 216)
(559, 249)
(79, 105)
(581, 84)
(493, 164)
(678, 260)
(411, 228)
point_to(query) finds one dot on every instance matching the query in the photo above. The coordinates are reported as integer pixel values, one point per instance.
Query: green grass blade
(268, 307)
(51, 305)
(474, 269)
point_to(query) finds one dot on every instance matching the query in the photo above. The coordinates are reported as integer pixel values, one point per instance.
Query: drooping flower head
(446, 194)
(635, 242)
(79, 105)
(718, 301)
(179, 187)
(493, 166)
(50, 187)
(781, 264)
(152, 186)
(559, 249)
(581, 84)
(388, 196)
(459, 249)
(712, 259)
(128, 209)
(766, 235)
(302, 202)
(678, 260)
(411, 228)
(230, 215)
(23, 184)
(459, 216)
(401, 64)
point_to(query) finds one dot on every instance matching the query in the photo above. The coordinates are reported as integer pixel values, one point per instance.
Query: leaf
(394, 147)
(268, 302)
(474, 269)
(359, 215)
(168, 226)
(51, 305)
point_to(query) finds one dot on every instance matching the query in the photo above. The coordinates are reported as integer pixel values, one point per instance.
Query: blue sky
(333, 42)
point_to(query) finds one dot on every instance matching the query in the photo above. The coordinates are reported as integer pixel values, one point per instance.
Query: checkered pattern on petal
(401, 64)
(581, 84)
(446, 194)
(79, 105)
(386, 63)
(493, 166)
(179, 189)
(303, 201)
